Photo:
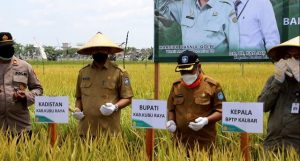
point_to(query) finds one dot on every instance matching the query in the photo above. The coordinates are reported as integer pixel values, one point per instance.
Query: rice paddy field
(240, 82)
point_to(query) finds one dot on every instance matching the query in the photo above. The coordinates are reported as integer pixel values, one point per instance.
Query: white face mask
(189, 78)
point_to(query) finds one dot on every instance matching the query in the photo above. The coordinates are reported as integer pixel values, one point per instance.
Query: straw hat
(99, 44)
(278, 52)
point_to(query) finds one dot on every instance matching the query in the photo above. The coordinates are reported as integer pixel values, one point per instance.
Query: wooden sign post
(245, 146)
(245, 118)
(52, 110)
(150, 132)
(52, 133)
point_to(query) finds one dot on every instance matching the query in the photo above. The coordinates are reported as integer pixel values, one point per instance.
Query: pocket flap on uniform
(212, 27)
(202, 100)
(178, 100)
(86, 84)
(20, 79)
(187, 22)
(109, 85)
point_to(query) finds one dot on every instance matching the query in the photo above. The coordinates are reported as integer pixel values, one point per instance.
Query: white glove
(171, 126)
(108, 109)
(78, 115)
(199, 123)
(280, 69)
(294, 66)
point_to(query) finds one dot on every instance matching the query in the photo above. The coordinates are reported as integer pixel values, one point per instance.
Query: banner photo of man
(222, 30)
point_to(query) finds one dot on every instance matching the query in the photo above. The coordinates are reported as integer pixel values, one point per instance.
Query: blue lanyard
(242, 9)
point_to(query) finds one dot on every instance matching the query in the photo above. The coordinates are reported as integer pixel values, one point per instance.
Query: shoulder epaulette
(210, 80)
(226, 2)
(177, 82)
(85, 66)
(118, 67)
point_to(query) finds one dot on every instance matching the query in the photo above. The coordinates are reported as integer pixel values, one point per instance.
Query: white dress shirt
(257, 24)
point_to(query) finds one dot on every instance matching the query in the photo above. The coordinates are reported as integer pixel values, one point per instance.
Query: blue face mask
(6, 52)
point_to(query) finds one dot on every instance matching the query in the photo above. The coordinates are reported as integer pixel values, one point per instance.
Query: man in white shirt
(257, 25)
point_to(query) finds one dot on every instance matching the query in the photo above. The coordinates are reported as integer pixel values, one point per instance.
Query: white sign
(149, 114)
(52, 109)
(242, 117)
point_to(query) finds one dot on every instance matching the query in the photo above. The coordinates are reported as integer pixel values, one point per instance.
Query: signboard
(222, 31)
(149, 114)
(242, 117)
(51, 109)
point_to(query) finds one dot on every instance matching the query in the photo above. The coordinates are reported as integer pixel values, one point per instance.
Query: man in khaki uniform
(281, 97)
(194, 104)
(15, 77)
(102, 90)
(210, 23)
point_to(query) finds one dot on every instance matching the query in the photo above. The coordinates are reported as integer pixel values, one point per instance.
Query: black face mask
(6, 52)
(100, 58)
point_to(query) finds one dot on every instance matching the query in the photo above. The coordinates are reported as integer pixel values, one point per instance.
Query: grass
(240, 82)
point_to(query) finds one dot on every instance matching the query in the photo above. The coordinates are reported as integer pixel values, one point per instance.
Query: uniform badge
(4, 38)
(203, 95)
(126, 81)
(189, 17)
(85, 78)
(220, 95)
(184, 59)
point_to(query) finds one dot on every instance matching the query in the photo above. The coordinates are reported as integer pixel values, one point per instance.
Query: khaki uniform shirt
(189, 104)
(18, 75)
(214, 24)
(95, 87)
(283, 126)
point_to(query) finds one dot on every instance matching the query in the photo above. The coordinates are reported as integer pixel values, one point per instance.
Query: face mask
(189, 78)
(100, 58)
(6, 52)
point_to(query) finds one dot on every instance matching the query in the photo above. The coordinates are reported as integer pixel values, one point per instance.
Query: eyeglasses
(294, 52)
(288, 55)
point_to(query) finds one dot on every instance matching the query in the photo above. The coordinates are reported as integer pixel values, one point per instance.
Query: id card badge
(295, 108)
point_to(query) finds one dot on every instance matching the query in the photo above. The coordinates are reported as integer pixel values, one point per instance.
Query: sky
(52, 22)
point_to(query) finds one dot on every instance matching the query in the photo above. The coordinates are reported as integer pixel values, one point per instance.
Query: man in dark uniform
(281, 97)
(103, 89)
(194, 104)
(16, 76)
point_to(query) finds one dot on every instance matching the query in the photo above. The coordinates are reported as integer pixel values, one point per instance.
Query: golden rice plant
(240, 82)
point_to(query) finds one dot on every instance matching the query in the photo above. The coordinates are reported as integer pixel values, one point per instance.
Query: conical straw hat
(278, 52)
(99, 44)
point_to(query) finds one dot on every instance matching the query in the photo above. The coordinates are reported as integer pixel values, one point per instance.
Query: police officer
(16, 76)
(103, 89)
(257, 24)
(194, 104)
(211, 23)
(281, 97)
